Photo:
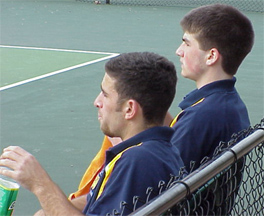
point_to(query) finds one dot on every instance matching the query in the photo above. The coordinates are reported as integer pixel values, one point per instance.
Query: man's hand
(25, 169)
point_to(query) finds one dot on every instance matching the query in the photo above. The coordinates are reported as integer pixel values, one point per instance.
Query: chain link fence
(237, 190)
(244, 5)
(229, 183)
(250, 198)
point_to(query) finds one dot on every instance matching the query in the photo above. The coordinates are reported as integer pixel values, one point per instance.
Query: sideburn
(120, 102)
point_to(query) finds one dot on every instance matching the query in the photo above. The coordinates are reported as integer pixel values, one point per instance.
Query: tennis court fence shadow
(229, 183)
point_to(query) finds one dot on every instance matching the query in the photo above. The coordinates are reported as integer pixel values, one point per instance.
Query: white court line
(53, 49)
(111, 55)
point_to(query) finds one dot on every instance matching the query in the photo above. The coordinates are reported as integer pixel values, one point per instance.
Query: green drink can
(8, 194)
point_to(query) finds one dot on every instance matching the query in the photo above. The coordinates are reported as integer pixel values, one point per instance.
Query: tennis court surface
(21, 65)
(52, 63)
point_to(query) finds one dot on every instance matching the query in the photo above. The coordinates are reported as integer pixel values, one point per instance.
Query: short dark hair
(222, 27)
(146, 77)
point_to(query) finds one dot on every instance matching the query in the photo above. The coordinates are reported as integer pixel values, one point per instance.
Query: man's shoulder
(217, 101)
(147, 147)
(151, 151)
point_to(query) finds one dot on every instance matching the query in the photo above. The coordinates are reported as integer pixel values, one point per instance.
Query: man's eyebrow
(104, 92)
(184, 39)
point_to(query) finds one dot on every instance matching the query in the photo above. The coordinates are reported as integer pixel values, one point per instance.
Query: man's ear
(213, 56)
(131, 109)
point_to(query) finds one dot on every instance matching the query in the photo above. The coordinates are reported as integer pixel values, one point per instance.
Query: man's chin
(106, 132)
(183, 74)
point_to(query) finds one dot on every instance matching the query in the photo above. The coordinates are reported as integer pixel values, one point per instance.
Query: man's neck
(134, 129)
(212, 77)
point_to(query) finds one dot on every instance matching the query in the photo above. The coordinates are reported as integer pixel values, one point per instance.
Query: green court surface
(19, 64)
(54, 117)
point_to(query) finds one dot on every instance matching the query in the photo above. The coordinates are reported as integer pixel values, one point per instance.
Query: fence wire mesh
(244, 5)
(235, 190)
(250, 197)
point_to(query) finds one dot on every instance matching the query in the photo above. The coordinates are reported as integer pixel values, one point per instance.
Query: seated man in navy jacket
(216, 40)
(136, 93)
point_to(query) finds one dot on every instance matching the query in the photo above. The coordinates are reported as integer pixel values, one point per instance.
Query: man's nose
(97, 102)
(179, 51)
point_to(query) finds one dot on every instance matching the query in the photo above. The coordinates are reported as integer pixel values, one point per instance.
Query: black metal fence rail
(244, 5)
(231, 183)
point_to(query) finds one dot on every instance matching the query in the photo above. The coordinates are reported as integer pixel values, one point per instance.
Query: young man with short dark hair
(136, 92)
